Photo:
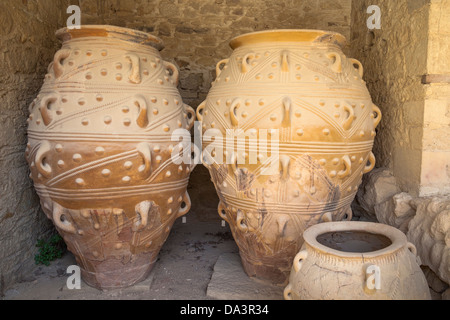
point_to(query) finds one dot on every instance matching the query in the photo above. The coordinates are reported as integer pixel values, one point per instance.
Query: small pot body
(320, 272)
(100, 151)
(297, 89)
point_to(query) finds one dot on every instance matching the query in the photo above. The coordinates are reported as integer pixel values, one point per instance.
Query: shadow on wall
(28, 43)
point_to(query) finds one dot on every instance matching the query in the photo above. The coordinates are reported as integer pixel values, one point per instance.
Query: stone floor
(199, 261)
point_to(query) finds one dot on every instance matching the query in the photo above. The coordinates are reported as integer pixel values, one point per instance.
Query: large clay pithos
(356, 261)
(299, 86)
(100, 151)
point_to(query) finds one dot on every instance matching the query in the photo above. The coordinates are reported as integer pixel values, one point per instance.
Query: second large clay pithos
(100, 151)
(296, 91)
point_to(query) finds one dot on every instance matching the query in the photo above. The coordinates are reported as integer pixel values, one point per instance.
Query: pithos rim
(289, 35)
(113, 32)
(398, 239)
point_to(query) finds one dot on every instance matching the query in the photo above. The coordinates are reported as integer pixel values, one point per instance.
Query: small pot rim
(110, 31)
(397, 237)
(289, 35)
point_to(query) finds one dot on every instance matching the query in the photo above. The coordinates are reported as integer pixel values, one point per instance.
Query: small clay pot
(356, 261)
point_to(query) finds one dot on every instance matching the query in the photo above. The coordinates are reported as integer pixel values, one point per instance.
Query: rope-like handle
(187, 207)
(43, 168)
(370, 166)
(135, 75)
(175, 72)
(298, 260)
(58, 68)
(337, 65)
(218, 69)
(360, 67)
(221, 209)
(58, 212)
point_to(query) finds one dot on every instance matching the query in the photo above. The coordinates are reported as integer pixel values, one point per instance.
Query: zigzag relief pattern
(285, 64)
(123, 110)
(316, 98)
(149, 69)
(345, 121)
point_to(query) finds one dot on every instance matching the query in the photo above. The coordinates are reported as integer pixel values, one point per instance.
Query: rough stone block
(396, 211)
(377, 187)
(429, 230)
(230, 282)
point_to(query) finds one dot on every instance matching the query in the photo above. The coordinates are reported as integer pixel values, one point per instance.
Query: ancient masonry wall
(27, 46)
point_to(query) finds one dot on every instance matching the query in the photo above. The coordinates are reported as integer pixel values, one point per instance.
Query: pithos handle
(218, 69)
(44, 108)
(221, 209)
(200, 111)
(233, 117)
(337, 64)
(60, 220)
(144, 151)
(371, 165)
(175, 72)
(43, 168)
(135, 62)
(142, 118)
(187, 201)
(411, 247)
(298, 260)
(358, 66)
(348, 167)
(378, 117)
(246, 63)
(287, 293)
(351, 117)
(240, 221)
(190, 112)
(58, 68)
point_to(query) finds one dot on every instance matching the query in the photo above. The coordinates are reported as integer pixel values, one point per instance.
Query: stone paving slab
(230, 282)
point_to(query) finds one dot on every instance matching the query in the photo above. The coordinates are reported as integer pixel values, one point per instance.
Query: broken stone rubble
(425, 221)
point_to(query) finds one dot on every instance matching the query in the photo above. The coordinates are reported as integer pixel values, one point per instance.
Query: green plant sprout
(49, 250)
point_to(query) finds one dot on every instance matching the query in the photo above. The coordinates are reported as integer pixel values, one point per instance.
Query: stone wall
(27, 45)
(395, 59)
(413, 41)
(435, 170)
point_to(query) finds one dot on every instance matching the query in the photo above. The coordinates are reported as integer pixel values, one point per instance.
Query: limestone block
(396, 211)
(378, 186)
(429, 230)
(230, 282)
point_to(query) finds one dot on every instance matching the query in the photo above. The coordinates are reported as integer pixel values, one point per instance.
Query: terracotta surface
(100, 151)
(320, 272)
(301, 83)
